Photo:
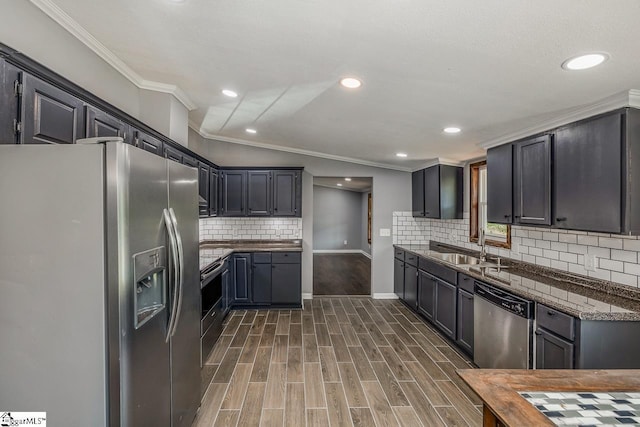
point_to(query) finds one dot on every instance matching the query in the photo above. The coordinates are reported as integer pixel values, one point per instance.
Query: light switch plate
(385, 232)
(590, 262)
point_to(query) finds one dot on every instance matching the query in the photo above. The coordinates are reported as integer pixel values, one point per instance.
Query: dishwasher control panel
(506, 300)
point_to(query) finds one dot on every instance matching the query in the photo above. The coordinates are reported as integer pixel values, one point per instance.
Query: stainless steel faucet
(483, 245)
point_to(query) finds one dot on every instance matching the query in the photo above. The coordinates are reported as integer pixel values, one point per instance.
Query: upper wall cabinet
(214, 184)
(287, 193)
(203, 189)
(49, 115)
(9, 78)
(148, 143)
(596, 174)
(500, 184)
(437, 192)
(99, 123)
(532, 181)
(261, 192)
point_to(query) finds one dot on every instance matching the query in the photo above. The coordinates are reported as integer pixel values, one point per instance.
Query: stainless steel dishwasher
(503, 329)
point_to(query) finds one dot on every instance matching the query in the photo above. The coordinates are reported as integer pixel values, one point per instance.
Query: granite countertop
(214, 250)
(503, 391)
(579, 296)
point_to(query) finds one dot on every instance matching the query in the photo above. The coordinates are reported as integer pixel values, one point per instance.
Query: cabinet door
(500, 184)
(532, 181)
(417, 193)
(233, 193)
(287, 195)
(213, 192)
(553, 352)
(587, 175)
(100, 123)
(10, 76)
(465, 321)
(432, 192)
(226, 290)
(259, 193)
(242, 278)
(286, 284)
(446, 304)
(203, 189)
(50, 115)
(427, 295)
(172, 154)
(398, 277)
(261, 281)
(411, 285)
(189, 161)
(149, 143)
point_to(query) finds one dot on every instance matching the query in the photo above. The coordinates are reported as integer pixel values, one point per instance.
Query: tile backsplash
(617, 256)
(250, 228)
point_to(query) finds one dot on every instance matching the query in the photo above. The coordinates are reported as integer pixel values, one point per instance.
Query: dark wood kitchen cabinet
(437, 192)
(99, 123)
(173, 154)
(411, 285)
(214, 185)
(445, 310)
(241, 273)
(203, 189)
(233, 183)
(148, 143)
(427, 295)
(258, 193)
(261, 278)
(532, 181)
(553, 352)
(9, 78)
(49, 115)
(464, 324)
(417, 193)
(286, 280)
(500, 184)
(398, 277)
(287, 193)
(590, 174)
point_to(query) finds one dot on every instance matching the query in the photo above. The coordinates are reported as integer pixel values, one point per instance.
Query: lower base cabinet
(285, 284)
(465, 321)
(398, 277)
(446, 304)
(411, 285)
(427, 295)
(553, 352)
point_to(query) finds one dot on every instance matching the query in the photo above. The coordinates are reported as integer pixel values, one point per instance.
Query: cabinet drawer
(262, 257)
(399, 253)
(555, 321)
(465, 282)
(411, 259)
(438, 270)
(285, 257)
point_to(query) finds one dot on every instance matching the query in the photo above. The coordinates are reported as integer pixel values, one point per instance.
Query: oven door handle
(212, 274)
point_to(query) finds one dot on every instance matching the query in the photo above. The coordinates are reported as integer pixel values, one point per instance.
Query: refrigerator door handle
(174, 257)
(181, 265)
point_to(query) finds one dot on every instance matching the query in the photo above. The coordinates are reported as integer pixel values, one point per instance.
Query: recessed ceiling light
(401, 154)
(339, 185)
(351, 83)
(249, 130)
(229, 93)
(583, 62)
(347, 179)
(451, 130)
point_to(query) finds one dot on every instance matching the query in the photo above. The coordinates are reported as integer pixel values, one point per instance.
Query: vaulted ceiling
(490, 67)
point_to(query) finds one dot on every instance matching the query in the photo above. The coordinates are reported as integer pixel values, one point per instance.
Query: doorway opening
(342, 218)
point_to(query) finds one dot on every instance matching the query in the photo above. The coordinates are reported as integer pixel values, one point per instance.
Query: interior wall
(392, 193)
(337, 218)
(27, 29)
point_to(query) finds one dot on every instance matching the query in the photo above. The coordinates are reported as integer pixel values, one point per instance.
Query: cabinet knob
(538, 333)
(561, 218)
(551, 313)
(507, 216)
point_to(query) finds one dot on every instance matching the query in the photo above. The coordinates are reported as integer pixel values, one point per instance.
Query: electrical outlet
(345, 242)
(590, 262)
(385, 232)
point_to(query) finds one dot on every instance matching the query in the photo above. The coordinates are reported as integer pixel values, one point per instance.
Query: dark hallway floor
(341, 274)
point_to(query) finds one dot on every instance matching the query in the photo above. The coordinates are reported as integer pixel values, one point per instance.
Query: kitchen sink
(457, 259)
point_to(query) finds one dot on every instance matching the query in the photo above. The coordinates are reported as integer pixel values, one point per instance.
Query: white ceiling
(356, 184)
(491, 67)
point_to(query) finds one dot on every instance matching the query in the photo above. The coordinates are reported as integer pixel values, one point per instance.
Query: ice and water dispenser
(149, 273)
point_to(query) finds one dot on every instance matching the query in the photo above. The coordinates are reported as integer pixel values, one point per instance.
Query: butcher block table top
(502, 390)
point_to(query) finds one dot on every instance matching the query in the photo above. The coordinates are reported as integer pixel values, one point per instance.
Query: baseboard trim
(341, 251)
(307, 296)
(382, 295)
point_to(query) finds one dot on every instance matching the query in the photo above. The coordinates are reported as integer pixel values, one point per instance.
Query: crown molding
(294, 150)
(78, 31)
(439, 161)
(629, 98)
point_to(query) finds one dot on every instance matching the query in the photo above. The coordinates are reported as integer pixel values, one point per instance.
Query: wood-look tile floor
(344, 361)
(341, 274)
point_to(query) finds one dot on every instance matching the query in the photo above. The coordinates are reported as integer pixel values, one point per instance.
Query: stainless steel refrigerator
(99, 285)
